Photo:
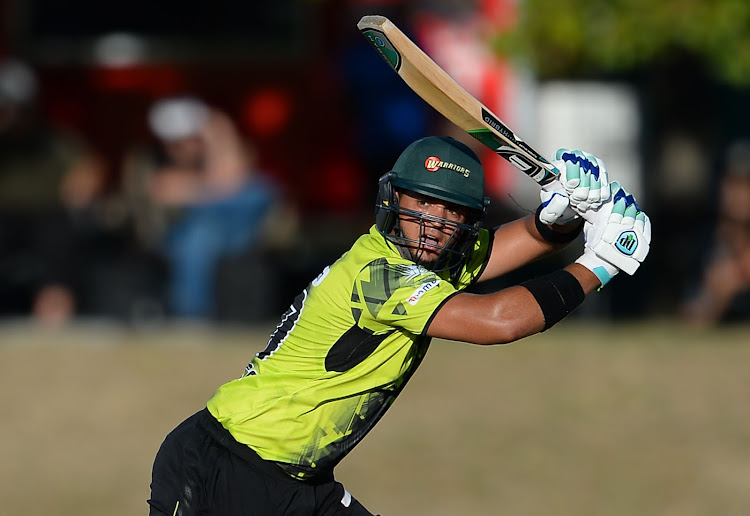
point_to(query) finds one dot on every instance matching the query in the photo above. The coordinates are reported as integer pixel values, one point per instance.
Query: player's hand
(584, 178)
(555, 204)
(618, 236)
(583, 185)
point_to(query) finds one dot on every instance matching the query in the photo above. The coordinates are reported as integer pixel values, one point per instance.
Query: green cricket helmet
(442, 168)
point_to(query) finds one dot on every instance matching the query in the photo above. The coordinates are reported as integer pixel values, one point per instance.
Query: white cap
(177, 117)
(18, 83)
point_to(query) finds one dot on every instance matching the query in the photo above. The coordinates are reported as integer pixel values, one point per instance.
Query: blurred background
(173, 173)
(203, 163)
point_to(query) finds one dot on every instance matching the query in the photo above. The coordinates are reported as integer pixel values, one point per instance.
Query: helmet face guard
(444, 169)
(452, 256)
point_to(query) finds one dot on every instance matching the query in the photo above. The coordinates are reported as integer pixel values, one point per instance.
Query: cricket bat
(450, 99)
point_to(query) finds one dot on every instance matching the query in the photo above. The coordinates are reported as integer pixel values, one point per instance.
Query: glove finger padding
(580, 192)
(626, 238)
(584, 178)
(643, 224)
(599, 190)
(571, 177)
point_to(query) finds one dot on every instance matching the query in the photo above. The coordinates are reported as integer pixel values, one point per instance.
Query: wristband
(557, 294)
(554, 237)
(603, 270)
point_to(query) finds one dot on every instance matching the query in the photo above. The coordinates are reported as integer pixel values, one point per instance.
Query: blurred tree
(689, 61)
(570, 38)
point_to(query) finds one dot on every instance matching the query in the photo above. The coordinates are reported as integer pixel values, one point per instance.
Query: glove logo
(627, 242)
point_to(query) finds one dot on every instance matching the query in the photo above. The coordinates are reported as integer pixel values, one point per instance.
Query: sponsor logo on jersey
(422, 290)
(433, 164)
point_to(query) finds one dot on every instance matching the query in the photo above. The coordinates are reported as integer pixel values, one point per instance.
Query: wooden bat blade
(445, 95)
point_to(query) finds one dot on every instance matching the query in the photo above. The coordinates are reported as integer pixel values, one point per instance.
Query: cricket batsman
(267, 443)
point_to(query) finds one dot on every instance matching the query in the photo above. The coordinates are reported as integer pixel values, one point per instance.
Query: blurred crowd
(721, 292)
(190, 226)
(185, 232)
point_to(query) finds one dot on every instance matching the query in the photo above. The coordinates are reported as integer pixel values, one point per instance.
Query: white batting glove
(583, 185)
(618, 236)
(555, 204)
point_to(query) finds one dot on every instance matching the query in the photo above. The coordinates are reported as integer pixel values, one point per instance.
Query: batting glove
(618, 236)
(555, 204)
(583, 185)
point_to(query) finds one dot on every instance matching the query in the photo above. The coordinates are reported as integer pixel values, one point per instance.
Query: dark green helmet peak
(444, 168)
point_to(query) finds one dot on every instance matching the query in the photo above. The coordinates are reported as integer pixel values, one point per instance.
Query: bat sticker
(384, 47)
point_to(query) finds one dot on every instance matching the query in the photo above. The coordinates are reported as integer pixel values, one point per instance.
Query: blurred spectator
(198, 199)
(724, 291)
(50, 186)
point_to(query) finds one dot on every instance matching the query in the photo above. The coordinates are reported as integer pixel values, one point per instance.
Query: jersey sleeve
(389, 293)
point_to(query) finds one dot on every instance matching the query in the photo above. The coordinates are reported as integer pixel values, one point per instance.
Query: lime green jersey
(339, 357)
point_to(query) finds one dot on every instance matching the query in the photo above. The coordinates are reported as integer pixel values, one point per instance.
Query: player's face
(186, 152)
(434, 233)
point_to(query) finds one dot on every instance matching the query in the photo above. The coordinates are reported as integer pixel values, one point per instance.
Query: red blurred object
(461, 46)
(499, 14)
(154, 80)
(344, 185)
(267, 112)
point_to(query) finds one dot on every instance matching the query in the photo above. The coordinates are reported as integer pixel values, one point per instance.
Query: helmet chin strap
(400, 242)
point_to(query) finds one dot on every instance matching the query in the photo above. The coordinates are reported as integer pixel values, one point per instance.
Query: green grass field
(586, 419)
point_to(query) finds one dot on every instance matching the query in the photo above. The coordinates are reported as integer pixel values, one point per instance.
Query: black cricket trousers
(201, 470)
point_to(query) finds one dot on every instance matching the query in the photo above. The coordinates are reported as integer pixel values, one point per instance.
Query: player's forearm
(515, 312)
(520, 242)
(497, 318)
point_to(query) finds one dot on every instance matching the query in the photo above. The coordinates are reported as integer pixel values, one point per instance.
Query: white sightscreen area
(597, 117)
